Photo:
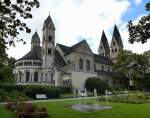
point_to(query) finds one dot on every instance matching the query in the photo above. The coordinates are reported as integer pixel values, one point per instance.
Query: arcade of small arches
(34, 76)
(28, 63)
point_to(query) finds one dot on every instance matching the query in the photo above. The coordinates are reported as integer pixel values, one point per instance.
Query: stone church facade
(59, 65)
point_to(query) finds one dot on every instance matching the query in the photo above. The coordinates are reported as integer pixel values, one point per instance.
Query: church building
(54, 64)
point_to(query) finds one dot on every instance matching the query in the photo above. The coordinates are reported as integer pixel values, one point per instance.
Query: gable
(84, 48)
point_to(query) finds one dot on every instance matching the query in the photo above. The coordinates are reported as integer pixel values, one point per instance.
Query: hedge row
(32, 90)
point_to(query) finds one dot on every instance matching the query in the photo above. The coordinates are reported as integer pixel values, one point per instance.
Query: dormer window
(101, 47)
(50, 38)
(49, 51)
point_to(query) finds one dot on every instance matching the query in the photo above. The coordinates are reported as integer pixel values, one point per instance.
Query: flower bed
(27, 110)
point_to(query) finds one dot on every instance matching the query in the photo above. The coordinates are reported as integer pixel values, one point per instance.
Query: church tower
(35, 41)
(48, 43)
(104, 46)
(116, 43)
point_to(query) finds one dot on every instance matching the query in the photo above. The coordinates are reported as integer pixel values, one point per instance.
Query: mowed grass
(61, 109)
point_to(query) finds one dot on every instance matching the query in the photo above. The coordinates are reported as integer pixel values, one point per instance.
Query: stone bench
(41, 96)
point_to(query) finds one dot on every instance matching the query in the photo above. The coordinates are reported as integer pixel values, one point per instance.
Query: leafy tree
(129, 65)
(141, 31)
(146, 80)
(6, 71)
(11, 14)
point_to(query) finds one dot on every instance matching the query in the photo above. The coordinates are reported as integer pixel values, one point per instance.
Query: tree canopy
(11, 14)
(130, 65)
(140, 32)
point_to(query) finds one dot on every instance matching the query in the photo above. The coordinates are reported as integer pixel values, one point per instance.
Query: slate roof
(59, 60)
(35, 37)
(47, 22)
(117, 36)
(67, 50)
(104, 40)
(64, 48)
(34, 54)
(102, 59)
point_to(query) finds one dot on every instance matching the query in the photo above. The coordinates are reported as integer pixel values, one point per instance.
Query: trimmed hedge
(51, 92)
(97, 83)
(32, 90)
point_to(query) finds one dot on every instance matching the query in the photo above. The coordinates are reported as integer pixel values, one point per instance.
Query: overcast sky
(76, 20)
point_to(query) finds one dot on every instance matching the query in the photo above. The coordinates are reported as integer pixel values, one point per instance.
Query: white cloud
(74, 19)
(138, 2)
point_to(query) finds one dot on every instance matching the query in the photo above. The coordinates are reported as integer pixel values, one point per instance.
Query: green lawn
(62, 109)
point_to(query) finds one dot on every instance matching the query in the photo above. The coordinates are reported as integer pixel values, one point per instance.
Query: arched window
(36, 77)
(50, 38)
(87, 65)
(102, 68)
(20, 76)
(80, 64)
(113, 43)
(52, 78)
(27, 76)
(108, 69)
(112, 51)
(115, 49)
(49, 51)
(68, 61)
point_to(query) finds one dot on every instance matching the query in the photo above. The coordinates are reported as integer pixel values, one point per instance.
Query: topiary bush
(96, 83)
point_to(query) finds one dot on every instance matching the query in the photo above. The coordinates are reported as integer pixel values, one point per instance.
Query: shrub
(96, 83)
(12, 87)
(21, 91)
(65, 90)
(27, 110)
(51, 92)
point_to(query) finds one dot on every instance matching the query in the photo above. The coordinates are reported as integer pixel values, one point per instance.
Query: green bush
(51, 92)
(96, 83)
(12, 87)
(32, 90)
(65, 90)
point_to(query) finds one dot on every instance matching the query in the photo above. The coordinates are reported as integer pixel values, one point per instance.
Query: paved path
(53, 100)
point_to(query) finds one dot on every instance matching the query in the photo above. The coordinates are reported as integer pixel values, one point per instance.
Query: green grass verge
(62, 109)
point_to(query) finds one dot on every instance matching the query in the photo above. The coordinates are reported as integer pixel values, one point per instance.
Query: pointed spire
(48, 22)
(35, 41)
(35, 36)
(104, 40)
(117, 35)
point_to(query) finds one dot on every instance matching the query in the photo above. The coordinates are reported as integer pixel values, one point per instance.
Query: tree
(141, 31)
(6, 71)
(11, 14)
(130, 65)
